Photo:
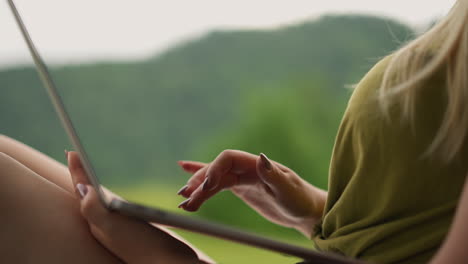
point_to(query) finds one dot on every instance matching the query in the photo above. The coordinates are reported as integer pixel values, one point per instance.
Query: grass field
(223, 252)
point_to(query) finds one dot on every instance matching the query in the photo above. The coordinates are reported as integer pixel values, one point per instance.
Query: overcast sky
(87, 30)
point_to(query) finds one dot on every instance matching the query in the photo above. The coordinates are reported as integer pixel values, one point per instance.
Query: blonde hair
(445, 46)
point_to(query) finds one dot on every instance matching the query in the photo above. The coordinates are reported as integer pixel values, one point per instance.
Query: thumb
(101, 222)
(269, 173)
(91, 207)
(132, 240)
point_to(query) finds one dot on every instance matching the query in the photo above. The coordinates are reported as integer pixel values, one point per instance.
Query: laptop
(150, 214)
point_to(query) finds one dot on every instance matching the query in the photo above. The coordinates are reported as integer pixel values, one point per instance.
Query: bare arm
(454, 249)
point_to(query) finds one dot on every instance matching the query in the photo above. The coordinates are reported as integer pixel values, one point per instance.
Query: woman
(396, 177)
(398, 166)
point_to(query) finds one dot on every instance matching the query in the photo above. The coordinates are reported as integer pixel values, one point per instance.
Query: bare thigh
(54, 192)
(48, 168)
(41, 222)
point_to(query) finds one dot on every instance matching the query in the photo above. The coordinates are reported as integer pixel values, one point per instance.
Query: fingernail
(265, 162)
(82, 189)
(206, 184)
(184, 203)
(66, 154)
(182, 190)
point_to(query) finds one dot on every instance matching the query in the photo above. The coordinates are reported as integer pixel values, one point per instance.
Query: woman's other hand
(273, 190)
(131, 240)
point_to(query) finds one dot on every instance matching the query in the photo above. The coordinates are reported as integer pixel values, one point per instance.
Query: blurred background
(149, 83)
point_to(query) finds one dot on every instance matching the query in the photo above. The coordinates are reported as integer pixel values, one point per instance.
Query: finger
(193, 183)
(132, 240)
(105, 221)
(201, 195)
(91, 207)
(270, 173)
(191, 166)
(229, 161)
(76, 169)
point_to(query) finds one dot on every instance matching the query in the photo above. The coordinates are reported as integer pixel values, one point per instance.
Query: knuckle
(87, 208)
(97, 217)
(227, 153)
(90, 206)
(291, 179)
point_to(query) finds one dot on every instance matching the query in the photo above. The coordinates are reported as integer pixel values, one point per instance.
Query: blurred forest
(281, 92)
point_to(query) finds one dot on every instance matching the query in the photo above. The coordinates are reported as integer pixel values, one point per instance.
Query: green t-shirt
(387, 202)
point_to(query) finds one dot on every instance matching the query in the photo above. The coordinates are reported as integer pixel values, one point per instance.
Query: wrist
(315, 199)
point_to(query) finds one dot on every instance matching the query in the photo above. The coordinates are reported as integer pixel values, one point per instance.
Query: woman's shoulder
(365, 95)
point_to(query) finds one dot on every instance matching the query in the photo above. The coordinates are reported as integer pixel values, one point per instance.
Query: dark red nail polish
(184, 203)
(265, 161)
(182, 190)
(206, 184)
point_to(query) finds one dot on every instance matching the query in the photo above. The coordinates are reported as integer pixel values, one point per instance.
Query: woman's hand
(273, 190)
(131, 240)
